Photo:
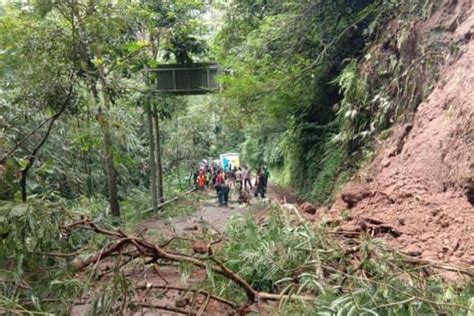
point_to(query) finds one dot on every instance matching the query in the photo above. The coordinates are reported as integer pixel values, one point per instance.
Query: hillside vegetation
(363, 109)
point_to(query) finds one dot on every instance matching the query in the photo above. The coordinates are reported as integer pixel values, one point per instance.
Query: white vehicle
(230, 160)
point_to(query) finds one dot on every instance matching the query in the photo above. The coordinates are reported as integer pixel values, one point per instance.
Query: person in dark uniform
(261, 183)
(223, 194)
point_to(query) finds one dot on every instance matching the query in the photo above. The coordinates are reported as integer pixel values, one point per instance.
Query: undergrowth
(279, 254)
(346, 276)
(37, 254)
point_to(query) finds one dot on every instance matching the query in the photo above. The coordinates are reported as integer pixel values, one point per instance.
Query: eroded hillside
(421, 182)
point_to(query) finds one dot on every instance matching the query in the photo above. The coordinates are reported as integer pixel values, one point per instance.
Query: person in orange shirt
(201, 180)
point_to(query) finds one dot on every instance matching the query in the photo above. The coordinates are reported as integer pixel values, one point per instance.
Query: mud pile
(420, 187)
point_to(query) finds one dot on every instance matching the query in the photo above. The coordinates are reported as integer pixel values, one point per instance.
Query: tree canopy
(88, 147)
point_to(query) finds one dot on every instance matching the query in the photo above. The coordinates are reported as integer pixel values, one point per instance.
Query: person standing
(195, 176)
(215, 173)
(267, 172)
(261, 184)
(247, 175)
(223, 194)
(208, 178)
(230, 176)
(218, 181)
(201, 181)
(239, 179)
(220, 177)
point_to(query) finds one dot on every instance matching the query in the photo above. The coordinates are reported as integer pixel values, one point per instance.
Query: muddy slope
(421, 183)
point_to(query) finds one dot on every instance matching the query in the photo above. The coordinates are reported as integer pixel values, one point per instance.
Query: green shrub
(345, 276)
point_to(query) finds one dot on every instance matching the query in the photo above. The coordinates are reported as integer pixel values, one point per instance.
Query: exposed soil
(421, 183)
(284, 195)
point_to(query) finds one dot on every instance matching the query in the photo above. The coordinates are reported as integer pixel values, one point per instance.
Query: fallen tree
(157, 253)
(353, 266)
(273, 261)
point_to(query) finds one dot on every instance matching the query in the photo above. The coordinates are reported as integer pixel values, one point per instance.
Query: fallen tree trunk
(156, 253)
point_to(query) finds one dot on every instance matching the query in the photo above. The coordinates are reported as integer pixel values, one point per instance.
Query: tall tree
(175, 27)
(104, 42)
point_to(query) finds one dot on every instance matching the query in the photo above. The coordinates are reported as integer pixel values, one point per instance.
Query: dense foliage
(306, 86)
(52, 56)
(281, 256)
(297, 83)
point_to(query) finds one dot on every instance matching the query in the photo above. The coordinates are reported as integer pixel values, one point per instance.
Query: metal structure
(177, 79)
(187, 79)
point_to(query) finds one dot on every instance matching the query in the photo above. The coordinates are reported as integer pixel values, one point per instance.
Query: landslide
(421, 183)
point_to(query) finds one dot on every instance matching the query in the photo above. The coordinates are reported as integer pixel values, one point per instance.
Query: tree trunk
(111, 172)
(159, 169)
(156, 119)
(109, 159)
(151, 136)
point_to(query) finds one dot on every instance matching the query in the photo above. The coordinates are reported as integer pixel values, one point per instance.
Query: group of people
(231, 178)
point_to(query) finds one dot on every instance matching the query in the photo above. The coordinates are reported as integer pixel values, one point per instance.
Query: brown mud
(421, 183)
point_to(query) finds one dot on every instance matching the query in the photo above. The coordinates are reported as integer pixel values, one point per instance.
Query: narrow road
(215, 216)
(209, 214)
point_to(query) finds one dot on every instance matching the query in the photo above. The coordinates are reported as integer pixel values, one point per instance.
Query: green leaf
(46, 167)
(152, 63)
(22, 162)
(19, 210)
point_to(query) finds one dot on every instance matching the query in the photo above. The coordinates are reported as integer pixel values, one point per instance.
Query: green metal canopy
(186, 79)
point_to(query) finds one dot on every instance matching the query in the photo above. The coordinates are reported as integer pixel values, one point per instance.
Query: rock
(469, 191)
(401, 221)
(191, 228)
(308, 208)
(385, 163)
(455, 245)
(413, 251)
(201, 247)
(435, 211)
(405, 195)
(444, 224)
(426, 237)
(459, 220)
(354, 193)
(182, 302)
